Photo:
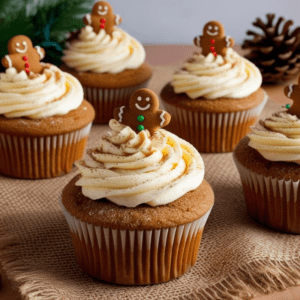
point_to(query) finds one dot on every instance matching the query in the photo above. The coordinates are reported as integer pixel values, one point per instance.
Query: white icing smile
(21, 50)
(212, 33)
(142, 108)
(100, 12)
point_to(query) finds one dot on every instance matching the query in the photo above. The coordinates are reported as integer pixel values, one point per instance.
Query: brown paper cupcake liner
(271, 201)
(212, 132)
(135, 257)
(105, 101)
(41, 157)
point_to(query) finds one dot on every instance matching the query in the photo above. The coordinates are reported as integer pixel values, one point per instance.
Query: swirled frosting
(213, 77)
(130, 169)
(277, 138)
(100, 53)
(38, 95)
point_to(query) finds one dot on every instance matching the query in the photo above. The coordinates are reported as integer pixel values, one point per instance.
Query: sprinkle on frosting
(130, 169)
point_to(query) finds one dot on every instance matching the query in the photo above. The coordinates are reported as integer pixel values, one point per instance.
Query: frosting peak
(277, 138)
(100, 52)
(38, 95)
(212, 77)
(130, 169)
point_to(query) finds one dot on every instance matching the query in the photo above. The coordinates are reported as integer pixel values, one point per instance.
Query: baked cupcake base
(107, 91)
(36, 149)
(136, 246)
(212, 125)
(271, 189)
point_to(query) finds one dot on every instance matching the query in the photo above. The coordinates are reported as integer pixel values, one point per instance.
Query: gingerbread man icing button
(102, 17)
(213, 39)
(143, 112)
(23, 56)
(293, 91)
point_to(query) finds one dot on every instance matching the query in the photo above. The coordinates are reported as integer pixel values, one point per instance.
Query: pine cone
(276, 54)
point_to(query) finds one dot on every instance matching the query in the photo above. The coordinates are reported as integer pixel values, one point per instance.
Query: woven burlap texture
(237, 259)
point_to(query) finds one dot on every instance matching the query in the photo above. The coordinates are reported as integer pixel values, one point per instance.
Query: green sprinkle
(140, 127)
(141, 119)
(287, 106)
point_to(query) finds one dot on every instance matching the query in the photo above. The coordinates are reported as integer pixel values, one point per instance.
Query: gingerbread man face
(143, 112)
(102, 17)
(19, 44)
(293, 91)
(23, 56)
(213, 29)
(102, 8)
(213, 39)
(144, 100)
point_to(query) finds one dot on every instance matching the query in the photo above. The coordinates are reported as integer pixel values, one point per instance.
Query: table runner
(237, 259)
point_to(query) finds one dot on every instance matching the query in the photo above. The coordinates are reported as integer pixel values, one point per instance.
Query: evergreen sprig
(45, 22)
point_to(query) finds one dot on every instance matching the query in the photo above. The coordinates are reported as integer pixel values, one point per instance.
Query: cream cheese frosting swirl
(213, 77)
(101, 53)
(277, 138)
(130, 169)
(40, 95)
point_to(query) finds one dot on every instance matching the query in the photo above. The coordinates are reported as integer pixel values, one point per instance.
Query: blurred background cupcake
(137, 210)
(216, 96)
(109, 63)
(44, 120)
(268, 161)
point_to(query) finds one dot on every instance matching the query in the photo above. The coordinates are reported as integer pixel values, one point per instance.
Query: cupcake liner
(271, 201)
(135, 257)
(41, 157)
(212, 132)
(105, 100)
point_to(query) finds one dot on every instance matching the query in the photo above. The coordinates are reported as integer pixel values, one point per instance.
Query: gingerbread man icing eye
(143, 115)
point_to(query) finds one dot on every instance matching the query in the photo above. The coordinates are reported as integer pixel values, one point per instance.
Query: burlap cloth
(237, 257)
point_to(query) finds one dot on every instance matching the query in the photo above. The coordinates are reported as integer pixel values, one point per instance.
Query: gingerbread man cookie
(102, 17)
(143, 112)
(23, 56)
(213, 39)
(293, 91)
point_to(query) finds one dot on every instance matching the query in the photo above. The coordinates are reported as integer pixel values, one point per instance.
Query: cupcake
(108, 62)
(44, 120)
(216, 96)
(268, 162)
(137, 209)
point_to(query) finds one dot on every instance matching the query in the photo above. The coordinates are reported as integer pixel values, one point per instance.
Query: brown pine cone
(276, 54)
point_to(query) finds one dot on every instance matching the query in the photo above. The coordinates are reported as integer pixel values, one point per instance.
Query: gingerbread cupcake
(216, 96)
(137, 210)
(268, 161)
(109, 63)
(44, 120)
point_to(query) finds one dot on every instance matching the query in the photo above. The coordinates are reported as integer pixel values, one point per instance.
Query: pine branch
(45, 22)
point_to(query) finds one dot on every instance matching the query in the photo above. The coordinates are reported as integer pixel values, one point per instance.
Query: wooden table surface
(174, 55)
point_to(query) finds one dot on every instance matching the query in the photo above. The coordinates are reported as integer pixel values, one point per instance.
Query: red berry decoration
(102, 25)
